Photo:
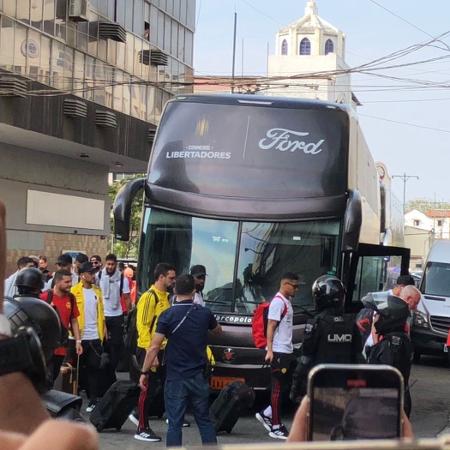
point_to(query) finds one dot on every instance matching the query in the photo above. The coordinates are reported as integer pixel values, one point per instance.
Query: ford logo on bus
(228, 355)
(288, 140)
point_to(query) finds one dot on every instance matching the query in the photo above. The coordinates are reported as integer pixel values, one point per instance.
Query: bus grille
(440, 324)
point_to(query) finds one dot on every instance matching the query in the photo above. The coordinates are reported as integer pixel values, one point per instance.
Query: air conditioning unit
(78, 10)
(158, 58)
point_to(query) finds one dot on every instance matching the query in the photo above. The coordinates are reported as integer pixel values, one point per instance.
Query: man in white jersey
(114, 285)
(279, 353)
(91, 322)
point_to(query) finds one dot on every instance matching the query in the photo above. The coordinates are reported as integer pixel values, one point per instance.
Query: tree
(424, 205)
(127, 249)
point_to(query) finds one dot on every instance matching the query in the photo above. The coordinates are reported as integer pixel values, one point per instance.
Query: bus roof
(260, 100)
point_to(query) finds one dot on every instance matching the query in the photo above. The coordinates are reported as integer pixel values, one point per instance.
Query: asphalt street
(431, 411)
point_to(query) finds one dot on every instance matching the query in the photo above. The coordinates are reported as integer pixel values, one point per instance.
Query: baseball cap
(87, 267)
(64, 259)
(198, 270)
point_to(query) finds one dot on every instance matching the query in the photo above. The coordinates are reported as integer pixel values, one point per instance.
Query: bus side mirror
(122, 208)
(352, 222)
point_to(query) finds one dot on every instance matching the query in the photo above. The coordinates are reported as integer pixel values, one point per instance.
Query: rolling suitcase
(114, 407)
(232, 401)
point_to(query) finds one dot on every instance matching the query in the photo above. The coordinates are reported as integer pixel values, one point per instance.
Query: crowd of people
(379, 335)
(93, 298)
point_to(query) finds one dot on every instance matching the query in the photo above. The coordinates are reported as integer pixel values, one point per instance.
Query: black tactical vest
(335, 339)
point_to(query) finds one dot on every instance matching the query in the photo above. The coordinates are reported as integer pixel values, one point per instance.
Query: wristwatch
(23, 353)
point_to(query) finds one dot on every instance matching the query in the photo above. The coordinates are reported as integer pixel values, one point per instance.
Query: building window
(284, 47)
(305, 47)
(329, 46)
(416, 223)
(439, 223)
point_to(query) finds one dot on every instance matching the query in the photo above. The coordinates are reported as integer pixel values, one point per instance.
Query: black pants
(90, 367)
(280, 379)
(114, 325)
(153, 403)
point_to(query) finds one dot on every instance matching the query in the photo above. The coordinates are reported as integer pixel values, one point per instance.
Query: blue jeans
(178, 395)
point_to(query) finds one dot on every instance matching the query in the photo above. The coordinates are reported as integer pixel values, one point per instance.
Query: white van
(432, 319)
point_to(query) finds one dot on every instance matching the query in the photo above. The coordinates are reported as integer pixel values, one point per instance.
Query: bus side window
(370, 276)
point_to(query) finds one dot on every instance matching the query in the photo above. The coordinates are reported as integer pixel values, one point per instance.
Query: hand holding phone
(348, 402)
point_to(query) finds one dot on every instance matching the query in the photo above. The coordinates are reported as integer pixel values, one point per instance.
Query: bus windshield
(436, 279)
(244, 260)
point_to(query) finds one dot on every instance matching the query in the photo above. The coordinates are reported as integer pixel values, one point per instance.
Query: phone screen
(355, 402)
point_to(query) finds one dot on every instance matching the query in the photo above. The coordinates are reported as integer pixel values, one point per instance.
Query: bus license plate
(445, 348)
(218, 383)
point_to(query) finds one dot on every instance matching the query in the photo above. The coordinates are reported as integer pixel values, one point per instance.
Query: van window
(436, 279)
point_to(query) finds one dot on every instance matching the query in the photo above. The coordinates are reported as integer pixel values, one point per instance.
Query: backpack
(260, 320)
(131, 333)
(99, 276)
(64, 330)
(394, 350)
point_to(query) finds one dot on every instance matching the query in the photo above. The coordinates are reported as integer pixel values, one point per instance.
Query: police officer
(27, 310)
(29, 283)
(330, 337)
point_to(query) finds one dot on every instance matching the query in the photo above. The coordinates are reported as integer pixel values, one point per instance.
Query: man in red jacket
(64, 302)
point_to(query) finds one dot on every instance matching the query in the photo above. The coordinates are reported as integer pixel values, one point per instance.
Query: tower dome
(307, 46)
(310, 35)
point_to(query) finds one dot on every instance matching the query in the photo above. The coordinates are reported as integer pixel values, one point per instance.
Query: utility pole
(234, 53)
(405, 179)
(242, 63)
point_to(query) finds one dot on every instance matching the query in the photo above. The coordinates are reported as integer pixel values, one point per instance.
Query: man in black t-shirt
(186, 326)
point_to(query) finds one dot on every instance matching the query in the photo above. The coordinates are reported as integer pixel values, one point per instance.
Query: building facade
(82, 87)
(421, 229)
(310, 45)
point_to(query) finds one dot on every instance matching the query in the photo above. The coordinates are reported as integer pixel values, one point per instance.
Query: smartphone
(354, 402)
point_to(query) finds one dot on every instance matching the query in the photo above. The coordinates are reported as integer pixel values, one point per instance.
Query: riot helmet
(29, 282)
(328, 292)
(24, 312)
(393, 315)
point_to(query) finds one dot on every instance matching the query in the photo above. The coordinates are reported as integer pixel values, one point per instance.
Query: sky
(371, 32)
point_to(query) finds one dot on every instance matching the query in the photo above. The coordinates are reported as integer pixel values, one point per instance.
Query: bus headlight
(421, 320)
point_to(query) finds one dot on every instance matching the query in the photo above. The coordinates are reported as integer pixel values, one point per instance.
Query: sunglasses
(294, 285)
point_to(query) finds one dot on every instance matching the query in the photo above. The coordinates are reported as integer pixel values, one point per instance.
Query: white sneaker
(133, 419)
(279, 433)
(265, 420)
(147, 435)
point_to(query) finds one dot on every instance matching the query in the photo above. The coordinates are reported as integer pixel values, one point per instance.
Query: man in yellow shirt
(91, 322)
(149, 307)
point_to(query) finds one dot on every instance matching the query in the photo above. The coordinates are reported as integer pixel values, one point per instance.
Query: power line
(413, 100)
(415, 125)
(405, 20)
(267, 16)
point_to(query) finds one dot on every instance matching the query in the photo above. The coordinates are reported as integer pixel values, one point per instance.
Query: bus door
(372, 268)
